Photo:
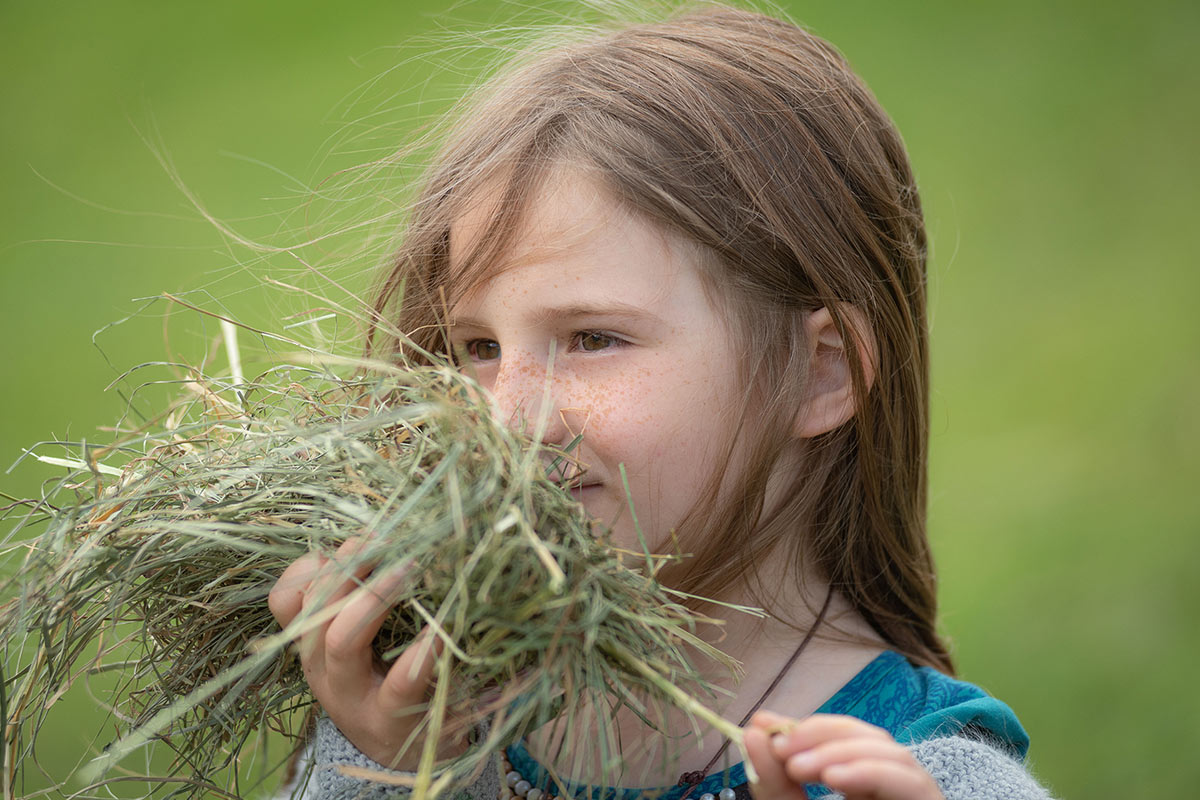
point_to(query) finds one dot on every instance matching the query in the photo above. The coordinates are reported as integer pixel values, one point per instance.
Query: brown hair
(753, 139)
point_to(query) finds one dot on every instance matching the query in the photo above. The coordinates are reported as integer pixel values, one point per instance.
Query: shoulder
(953, 707)
(916, 704)
(967, 768)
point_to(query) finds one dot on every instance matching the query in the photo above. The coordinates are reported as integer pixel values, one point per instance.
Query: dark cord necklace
(693, 779)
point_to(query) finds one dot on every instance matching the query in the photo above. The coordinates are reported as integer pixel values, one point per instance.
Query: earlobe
(829, 395)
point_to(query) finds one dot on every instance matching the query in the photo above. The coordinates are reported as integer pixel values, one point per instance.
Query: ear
(829, 397)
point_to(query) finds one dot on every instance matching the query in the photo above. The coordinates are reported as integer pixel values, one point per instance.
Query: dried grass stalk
(160, 570)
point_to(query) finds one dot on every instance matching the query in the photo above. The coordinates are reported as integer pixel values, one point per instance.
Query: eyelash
(472, 346)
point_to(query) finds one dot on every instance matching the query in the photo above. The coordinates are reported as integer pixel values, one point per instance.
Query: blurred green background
(1055, 143)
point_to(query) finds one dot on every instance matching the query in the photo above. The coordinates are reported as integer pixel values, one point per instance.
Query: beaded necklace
(515, 785)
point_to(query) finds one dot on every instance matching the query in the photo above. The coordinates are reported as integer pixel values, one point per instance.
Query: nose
(529, 398)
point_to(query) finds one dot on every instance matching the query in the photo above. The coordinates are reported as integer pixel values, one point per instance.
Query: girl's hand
(377, 710)
(859, 760)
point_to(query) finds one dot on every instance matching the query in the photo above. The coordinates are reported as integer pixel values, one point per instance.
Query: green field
(1055, 143)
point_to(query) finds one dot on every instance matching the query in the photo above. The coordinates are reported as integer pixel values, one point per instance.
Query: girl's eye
(483, 349)
(591, 341)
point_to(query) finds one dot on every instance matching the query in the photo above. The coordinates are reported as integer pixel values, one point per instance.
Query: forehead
(555, 212)
(558, 217)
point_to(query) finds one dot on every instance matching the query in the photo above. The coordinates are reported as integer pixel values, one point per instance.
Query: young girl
(705, 236)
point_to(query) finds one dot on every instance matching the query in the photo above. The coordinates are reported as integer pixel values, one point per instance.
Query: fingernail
(803, 762)
(778, 742)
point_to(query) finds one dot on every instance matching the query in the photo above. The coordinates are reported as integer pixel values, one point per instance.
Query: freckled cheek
(606, 416)
(615, 414)
(608, 389)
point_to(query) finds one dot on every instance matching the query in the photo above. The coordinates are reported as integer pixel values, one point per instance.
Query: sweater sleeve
(331, 751)
(968, 769)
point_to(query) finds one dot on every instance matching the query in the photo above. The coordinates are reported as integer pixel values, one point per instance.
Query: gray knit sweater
(965, 769)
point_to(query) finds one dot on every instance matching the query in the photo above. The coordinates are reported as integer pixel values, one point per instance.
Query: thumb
(773, 783)
(408, 679)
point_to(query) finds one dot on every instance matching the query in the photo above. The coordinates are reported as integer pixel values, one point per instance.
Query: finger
(808, 766)
(772, 723)
(773, 783)
(286, 597)
(407, 681)
(337, 578)
(881, 780)
(350, 634)
(818, 729)
(341, 572)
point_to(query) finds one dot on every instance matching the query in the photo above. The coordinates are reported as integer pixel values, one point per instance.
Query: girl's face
(643, 366)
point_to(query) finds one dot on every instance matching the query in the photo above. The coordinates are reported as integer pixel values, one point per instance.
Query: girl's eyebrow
(608, 309)
(557, 314)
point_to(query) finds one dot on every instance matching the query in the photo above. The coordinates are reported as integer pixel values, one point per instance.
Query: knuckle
(339, 644)
(283, 604)
(280, 611)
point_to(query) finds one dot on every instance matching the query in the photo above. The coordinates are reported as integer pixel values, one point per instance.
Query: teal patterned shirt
(914, 704)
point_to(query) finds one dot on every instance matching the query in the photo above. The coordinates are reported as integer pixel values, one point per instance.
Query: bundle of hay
(160, 570)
